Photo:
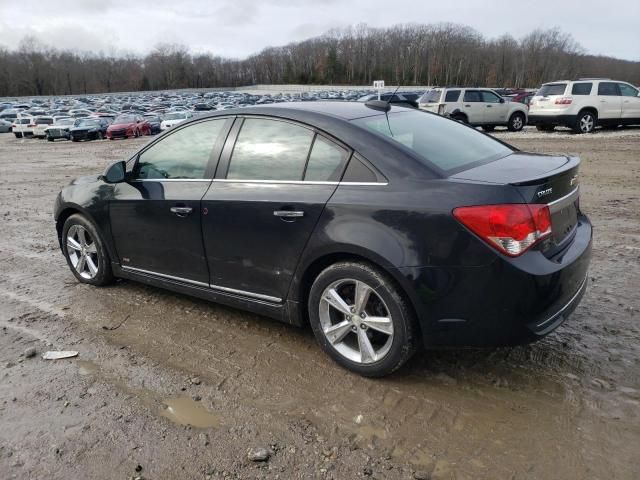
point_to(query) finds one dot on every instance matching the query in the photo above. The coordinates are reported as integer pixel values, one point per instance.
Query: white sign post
(378, 85)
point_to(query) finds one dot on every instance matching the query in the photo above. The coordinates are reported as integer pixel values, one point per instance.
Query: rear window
(431, 96)
(44, 120)
(449, 146)
(452, 96)
(552, 89)
(581, 89)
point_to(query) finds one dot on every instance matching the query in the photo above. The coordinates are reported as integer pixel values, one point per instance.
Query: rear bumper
(509, 302)
(562, 120)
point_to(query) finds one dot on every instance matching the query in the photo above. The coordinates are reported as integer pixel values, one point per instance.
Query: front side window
(325, 161)
(270, 150)
(490, 97)
(608, 89)
(472, 96)
(581, 89)
(627, 90)
(182, 155)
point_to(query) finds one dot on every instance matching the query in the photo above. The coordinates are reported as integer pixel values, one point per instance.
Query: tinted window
(627, 90)
(490, 97)
(581, 88)
(608, 89)
(452, 96)
(325, 162)
(552, 89)
(182, 155)
(125, 119)
(447, 145)
(270, 150)
(472, 96)
(410, 96)
(44, 121)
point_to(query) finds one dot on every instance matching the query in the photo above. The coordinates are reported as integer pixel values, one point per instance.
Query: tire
(516, 122)
(545, 128)
(460, 118)
(488, 128)
(18, 135)
(49, 139)
(100, 136)
(586, 122)
(92, 249)
(390, 343)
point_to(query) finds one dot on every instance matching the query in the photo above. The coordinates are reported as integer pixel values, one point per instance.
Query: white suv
(476, 106)
(584, 104)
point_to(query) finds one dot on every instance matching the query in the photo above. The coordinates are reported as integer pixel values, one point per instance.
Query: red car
(128, 125)
(521, 97)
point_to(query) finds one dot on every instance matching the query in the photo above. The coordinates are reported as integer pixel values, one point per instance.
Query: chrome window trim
(171, 180)
(297, 182)
(562, 202)
(257, 296)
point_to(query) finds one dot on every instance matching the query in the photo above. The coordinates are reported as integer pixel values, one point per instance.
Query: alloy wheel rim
(517, 122)
(82, 252)
(586, 123)
(355, 321)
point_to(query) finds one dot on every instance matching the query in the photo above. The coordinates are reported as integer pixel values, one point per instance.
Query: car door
(609, 101)
(271, 186)
(473, 106)
(495, 108)
(155, 215)
(630, 103)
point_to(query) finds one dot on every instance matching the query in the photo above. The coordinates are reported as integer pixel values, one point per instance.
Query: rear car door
(155, 216)
(630, 103)
(609, 101)
(473, 106)
(495, 111)
(271, 186)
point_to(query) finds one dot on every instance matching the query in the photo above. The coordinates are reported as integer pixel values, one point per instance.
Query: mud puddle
(186, 411)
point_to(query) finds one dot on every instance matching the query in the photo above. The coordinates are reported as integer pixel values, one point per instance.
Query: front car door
(155, 215)
(270, 189)
(609, 101)
(473, 106)
(495, 110)
(630, 103)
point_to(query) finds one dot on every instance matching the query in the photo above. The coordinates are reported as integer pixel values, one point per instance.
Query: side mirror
(502, 100)
(116, 173)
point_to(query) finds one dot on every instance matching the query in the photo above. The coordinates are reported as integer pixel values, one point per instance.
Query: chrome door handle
(181, 211)
(288, 213)
(489, 106)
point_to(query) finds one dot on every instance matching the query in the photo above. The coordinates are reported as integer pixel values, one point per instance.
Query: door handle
(288, 213)
(181, 211)
(489, 106)
(467, 105)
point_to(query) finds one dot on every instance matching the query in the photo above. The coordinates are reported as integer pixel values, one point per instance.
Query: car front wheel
(85, 251)
(361, 320)
(516, 122)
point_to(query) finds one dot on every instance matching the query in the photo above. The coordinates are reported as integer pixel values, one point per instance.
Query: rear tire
(373, 339)
(586, 122)
(18, 135)
(460, 117)
(85, 251)
(49, 139)
(516, 122)
(488, 128)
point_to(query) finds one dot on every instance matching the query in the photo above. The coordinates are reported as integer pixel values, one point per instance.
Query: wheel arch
(70, 209)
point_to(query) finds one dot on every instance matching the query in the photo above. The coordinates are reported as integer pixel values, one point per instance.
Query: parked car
(90, 128)
(155, 122)
(21, 127)
(39, 125)
(174, 118)
(128, 125)
(475, 106)
(59, 129)
(385, 228)
(584, 104)
(407, 99)
(5, 126)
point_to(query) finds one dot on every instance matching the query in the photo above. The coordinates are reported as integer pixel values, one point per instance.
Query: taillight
(564, 101)
(510, 228)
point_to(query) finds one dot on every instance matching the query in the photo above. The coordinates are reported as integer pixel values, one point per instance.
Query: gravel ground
(261, 399)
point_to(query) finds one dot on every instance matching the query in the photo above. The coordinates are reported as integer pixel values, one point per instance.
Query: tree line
(438, 54)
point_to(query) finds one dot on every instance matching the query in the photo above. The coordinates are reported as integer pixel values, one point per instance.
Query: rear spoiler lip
(573, 163)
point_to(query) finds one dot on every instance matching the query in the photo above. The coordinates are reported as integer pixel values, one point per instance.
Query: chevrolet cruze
(385, 228)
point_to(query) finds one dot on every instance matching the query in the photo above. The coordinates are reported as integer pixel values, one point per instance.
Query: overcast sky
(237, 28)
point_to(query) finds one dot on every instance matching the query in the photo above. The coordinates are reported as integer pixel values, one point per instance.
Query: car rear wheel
(516, 122)
(18, 135)
(488, 128)
(361, 320)
(50, 139)
(85, 252)
(460, 117)
(586, 122)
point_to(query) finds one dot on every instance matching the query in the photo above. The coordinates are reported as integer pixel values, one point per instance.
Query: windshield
(65, 121)
(552, 89)
(88, 122)
(440, 142)
(175, 116)
(125, 119)
(431, 96)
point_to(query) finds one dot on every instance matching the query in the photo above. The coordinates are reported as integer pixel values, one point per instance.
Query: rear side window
(431, 96)
(358, 171)
(552, 89)
(627, 90)
(472, 96)
(608, 89)
(184, 154)
(326, 161)
(581, 89)
(452, 96)
(270, 150)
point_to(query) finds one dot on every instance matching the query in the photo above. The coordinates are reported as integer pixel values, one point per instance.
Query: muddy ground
(567, 407)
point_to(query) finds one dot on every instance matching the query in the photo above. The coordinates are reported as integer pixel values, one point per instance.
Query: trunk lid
(539, 179)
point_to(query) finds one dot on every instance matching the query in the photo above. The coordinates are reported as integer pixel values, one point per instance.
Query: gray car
(5, 126)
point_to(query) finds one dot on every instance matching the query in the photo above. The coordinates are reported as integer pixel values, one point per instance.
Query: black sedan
(88, 129)
(385, 228)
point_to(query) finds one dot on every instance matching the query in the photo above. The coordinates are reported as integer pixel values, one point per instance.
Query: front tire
(585, 122)
(361, 320)
(516, 122)
(85, 251)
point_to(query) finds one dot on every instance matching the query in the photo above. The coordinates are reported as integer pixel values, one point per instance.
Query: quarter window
(325, 162)
(270, 150)
(184, 154)
(627, 90)
(581, 89)
(608, 89)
